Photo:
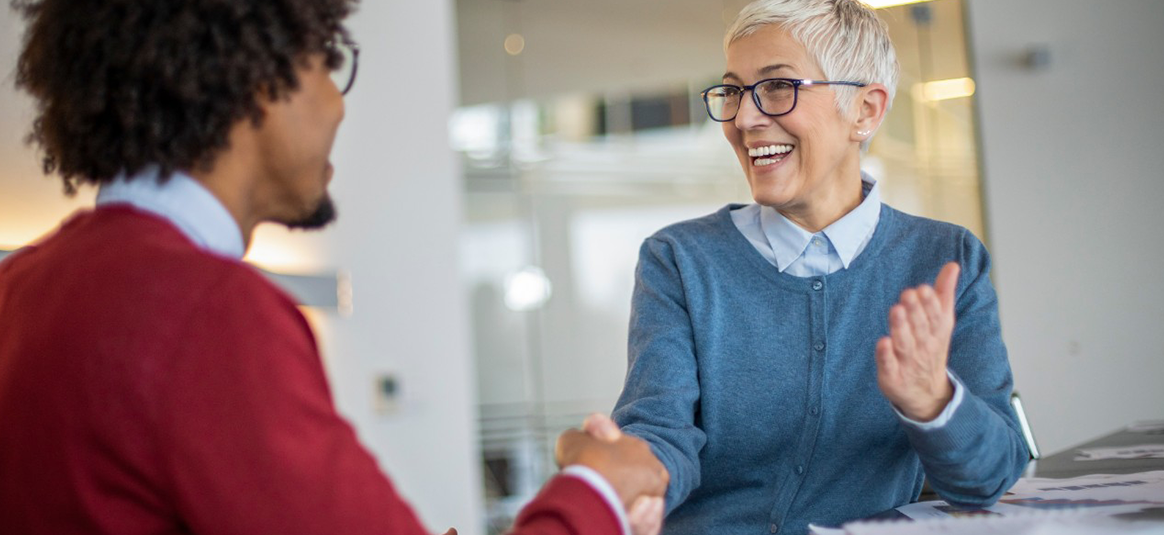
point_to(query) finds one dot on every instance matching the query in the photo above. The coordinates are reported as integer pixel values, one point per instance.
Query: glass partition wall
(563, 182)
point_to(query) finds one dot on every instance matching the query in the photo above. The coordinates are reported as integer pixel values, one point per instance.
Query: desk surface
(1063, 464)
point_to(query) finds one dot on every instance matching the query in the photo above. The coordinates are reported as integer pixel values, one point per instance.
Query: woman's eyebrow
(763, 72)
(779, 66)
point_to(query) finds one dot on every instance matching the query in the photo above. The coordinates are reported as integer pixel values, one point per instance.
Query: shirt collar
(788, 240)
(185, 203)
(849, 232)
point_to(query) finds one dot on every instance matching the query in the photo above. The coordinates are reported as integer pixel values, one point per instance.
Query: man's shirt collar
(185, 203)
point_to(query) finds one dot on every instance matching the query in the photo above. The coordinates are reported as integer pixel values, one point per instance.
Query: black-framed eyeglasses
(344, 61)
(773, 96)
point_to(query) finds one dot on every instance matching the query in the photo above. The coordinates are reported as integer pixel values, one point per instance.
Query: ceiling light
(944, 89)
(528, 289)
(514, 44)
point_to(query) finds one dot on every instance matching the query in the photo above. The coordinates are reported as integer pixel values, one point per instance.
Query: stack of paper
(1143, 451)
(1029, 523)
(1147, 426)
(1131, 504)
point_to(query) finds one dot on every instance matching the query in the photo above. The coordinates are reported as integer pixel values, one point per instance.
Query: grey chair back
(1016, 403)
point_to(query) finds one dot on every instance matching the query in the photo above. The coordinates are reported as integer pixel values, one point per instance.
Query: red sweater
(147, 387)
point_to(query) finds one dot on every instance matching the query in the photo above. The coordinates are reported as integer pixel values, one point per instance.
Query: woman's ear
(871, 102)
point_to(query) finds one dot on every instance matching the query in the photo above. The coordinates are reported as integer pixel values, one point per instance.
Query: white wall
(397, 186)
(1074, 176)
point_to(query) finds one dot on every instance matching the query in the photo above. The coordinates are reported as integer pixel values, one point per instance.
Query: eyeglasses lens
(776, 97)
(722, 102)
(343, 63)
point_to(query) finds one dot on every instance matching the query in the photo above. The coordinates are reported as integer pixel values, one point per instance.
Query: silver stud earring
(863, 133)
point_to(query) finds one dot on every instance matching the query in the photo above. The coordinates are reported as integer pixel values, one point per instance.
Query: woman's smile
(769, 154)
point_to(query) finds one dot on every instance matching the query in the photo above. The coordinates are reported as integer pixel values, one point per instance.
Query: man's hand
(911, 361)
(626, 462)
(645, 515)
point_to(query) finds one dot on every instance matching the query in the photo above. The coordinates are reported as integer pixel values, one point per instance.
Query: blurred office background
(502, 160)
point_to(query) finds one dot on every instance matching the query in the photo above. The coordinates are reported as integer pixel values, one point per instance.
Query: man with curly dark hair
(151, 382)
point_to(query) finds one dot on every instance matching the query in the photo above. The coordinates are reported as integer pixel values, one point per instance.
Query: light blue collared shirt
(185, 203)
(801, 253)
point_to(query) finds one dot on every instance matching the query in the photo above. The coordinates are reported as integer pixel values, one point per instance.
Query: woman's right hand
(646, 516)
(911, 361)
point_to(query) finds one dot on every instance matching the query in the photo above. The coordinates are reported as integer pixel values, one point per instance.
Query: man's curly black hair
(124, 84)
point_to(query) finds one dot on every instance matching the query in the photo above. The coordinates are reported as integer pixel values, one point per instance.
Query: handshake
(626, 462)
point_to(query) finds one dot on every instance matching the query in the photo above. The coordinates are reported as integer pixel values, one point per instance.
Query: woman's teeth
(769, 150)
(760, 154)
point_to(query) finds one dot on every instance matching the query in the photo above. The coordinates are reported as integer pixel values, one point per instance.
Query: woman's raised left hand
(911, 361)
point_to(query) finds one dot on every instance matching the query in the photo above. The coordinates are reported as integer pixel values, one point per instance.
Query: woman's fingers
(904, 344)
(919, 320)
(946, 285)
(887, 369)
(933, 309)
(646, 516)
(930, 325)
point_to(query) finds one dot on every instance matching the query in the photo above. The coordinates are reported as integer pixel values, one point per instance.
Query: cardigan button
(800, 469)
(817, 285)
(773, 528)
(819, 346)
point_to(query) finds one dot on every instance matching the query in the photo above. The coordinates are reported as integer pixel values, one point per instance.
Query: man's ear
(871, 103)
(266, 98)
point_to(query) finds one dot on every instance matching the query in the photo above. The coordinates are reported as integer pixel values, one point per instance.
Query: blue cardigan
(758, 389)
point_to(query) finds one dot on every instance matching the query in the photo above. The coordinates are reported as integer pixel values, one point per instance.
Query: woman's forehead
(767, 53)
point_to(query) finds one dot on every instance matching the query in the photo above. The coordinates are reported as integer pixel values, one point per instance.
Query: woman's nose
(749, 116)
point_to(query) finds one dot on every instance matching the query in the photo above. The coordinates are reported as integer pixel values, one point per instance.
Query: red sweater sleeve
(567, 505)
(250, 439)
(252, 442)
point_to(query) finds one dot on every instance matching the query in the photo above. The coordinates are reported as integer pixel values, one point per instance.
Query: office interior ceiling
(587, 46)
(605, 46)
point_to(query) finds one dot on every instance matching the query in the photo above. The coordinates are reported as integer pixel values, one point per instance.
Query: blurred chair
(1016, 403)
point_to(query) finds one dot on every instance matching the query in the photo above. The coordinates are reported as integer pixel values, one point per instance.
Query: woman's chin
(770, 190)
(770, 197)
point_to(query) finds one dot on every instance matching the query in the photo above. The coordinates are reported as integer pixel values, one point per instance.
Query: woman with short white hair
(789, 361)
